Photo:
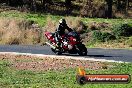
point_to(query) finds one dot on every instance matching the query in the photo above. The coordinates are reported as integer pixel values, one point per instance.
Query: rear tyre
(82, 50)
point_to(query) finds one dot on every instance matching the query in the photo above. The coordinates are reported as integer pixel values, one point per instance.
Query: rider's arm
(69, 29)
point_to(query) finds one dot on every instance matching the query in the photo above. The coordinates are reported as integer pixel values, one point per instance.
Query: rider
(61, 31)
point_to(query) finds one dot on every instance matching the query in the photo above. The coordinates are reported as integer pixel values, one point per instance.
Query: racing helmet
(62, 21)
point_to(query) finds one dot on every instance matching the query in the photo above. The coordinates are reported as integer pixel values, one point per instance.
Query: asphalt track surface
(97, 53)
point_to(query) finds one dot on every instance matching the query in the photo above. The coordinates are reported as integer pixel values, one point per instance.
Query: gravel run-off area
(27, 62)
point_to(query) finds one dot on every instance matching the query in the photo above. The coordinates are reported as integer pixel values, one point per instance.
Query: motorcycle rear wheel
(82, 50)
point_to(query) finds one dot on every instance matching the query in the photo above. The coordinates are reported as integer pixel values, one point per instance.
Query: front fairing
(50, 36)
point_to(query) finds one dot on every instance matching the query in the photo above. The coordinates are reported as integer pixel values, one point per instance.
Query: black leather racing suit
(61, 31)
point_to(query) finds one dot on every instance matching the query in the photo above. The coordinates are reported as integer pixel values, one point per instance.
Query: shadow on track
(88, 55)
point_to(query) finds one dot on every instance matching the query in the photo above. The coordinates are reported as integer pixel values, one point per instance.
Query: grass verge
(41, 18)
(17, 28)
(11, 77)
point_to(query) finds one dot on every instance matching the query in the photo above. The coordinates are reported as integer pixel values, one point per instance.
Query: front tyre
(57, 52)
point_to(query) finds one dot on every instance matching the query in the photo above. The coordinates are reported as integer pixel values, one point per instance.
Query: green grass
(38, 18)
(12, 78)
(41, 18)
(112, 21)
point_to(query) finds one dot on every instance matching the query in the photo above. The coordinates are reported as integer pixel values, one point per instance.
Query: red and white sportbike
(70, 43)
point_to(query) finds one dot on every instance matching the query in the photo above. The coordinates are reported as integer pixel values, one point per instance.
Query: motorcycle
(70, 43)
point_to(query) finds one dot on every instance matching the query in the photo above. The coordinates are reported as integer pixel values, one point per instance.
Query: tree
(33, 5)
(109, 4)
(43, 5)
(14, 2)
(123, 6)
(44, 2)
(68, 6)
(127, 5)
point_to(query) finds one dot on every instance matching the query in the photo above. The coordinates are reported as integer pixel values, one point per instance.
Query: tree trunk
(33, 5)
(109, 3)
(127, 4)
(68, 6)
(44, 5)
(8, 2)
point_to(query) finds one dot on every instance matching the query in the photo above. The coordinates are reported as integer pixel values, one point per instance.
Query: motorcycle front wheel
(56, 52)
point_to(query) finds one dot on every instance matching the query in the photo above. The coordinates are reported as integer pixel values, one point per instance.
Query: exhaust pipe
(50, 45)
